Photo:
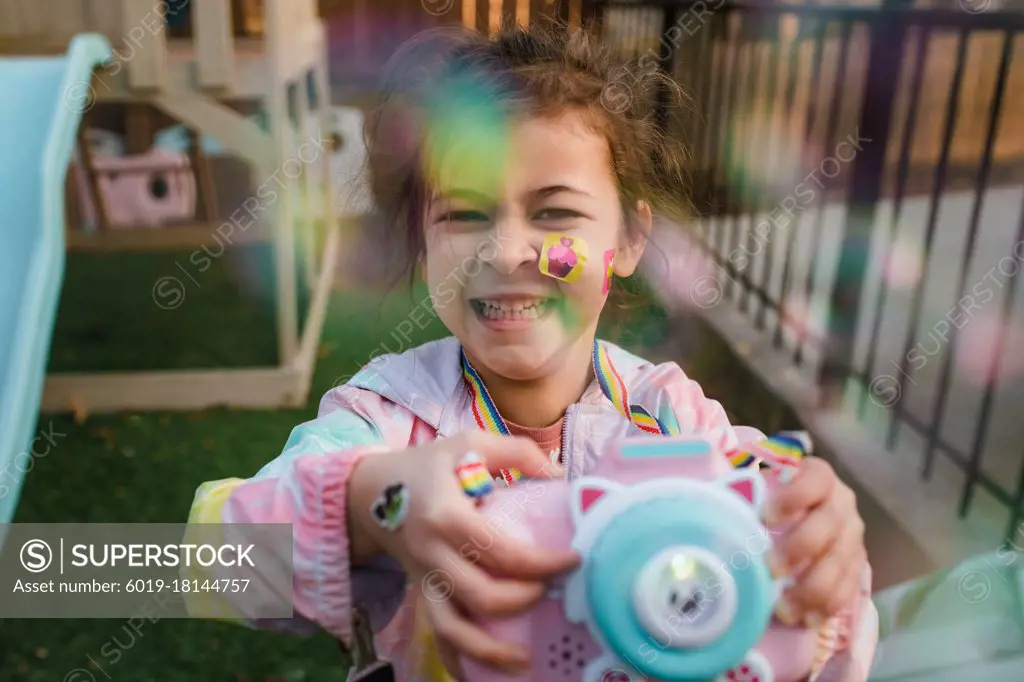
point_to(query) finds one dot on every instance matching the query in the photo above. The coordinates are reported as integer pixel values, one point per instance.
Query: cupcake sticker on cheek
(563, 257)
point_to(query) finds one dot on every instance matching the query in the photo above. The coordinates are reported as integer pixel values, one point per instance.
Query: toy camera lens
(685, 597)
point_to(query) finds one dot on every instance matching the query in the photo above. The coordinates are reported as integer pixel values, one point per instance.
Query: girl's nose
(513, 245)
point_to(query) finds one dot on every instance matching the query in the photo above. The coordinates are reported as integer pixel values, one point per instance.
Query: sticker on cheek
(609, 270)
(390, 508)
(563, 257)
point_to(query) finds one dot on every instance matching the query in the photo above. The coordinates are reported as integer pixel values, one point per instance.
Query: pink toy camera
(673, 585)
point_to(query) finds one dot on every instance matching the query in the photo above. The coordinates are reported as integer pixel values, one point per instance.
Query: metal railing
(857, 173)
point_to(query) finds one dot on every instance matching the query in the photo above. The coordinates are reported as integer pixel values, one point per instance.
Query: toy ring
(473, 476)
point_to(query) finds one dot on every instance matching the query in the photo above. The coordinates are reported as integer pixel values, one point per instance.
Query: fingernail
(787, 475)
(771, 515)
(786, 612)
(775, 565)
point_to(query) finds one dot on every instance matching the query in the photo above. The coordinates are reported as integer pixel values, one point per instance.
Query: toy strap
(783, 450)
(488, 418)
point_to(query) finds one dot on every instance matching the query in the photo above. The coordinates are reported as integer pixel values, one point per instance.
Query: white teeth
(497, 310)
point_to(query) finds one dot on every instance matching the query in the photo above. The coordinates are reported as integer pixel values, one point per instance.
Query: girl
(521, 192)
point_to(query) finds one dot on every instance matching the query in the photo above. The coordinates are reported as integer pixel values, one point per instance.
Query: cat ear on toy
(747, 484)
(563, 257)
(587, 492)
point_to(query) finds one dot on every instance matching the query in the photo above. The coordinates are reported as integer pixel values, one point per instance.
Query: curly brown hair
(542, 70)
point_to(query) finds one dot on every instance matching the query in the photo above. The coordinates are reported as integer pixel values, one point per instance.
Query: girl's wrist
(364, 487)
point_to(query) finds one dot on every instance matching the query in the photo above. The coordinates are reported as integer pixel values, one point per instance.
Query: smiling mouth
(511, 310)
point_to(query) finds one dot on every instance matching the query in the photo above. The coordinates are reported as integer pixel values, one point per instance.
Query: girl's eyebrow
(459, 193)
(550, 190)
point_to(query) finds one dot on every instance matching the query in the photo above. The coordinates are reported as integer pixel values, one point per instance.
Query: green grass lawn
(145, 467)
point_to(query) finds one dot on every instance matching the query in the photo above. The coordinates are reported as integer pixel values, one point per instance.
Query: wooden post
(72, 192)
(85, 157)
(214, 44)
(508, 12)
(144, 50)
(483, 16)
(305, 220)
(281, 214)
(539, 9)
(361, 27)
(576, 13)
(205, 186)
(138, 124)
(321, 77)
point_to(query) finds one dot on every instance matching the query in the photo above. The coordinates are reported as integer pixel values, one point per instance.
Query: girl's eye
(464, 216)
(557, 214)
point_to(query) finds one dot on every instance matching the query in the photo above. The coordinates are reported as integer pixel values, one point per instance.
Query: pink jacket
(399, 401)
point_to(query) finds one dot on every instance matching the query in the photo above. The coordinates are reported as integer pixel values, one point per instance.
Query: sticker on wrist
(390, 508)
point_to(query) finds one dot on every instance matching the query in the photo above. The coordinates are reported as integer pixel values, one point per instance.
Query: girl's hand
(823, 546)
(446, 546)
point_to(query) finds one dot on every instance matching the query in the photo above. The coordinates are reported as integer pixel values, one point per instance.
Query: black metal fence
(849, 166)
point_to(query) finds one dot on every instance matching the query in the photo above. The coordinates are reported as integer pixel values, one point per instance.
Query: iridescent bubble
(977, 344)
(904, 267)
(467, 137)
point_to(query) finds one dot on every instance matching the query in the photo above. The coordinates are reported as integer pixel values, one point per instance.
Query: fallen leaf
(79, 409)
(106, 433)
(42, 653)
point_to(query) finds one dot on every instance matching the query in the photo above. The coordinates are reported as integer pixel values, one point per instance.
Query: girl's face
(485, 240)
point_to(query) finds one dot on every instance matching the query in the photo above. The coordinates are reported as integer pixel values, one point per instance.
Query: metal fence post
(888, 33)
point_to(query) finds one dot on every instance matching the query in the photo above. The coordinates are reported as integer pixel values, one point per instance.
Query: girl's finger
(480, 594)
(810, 539)
(472, 641)
(513, 452)
(481, 540)
(827, 585)
(811, 488)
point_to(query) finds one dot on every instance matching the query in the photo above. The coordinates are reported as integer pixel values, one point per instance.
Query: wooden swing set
(208, 71)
